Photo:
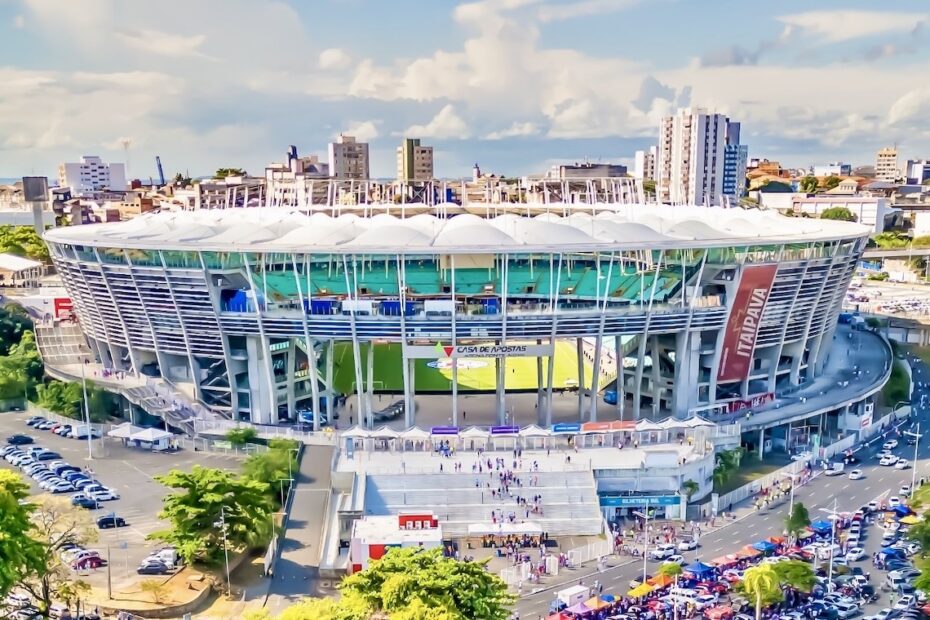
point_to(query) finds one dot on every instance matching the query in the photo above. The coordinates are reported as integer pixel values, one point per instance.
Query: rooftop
(542, 227)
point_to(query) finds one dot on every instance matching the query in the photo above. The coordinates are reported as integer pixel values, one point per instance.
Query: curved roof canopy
(595, 228)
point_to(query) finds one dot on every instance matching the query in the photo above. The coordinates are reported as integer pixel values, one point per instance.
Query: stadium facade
(711, 309)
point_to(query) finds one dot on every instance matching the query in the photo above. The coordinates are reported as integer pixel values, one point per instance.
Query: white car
(856, 474)
(905, 490)
(881, 615)
(802, 456)
(103, 496)
(888, 460)
(663, 551)
(894, 502)
(905, 602)
(689, 544)
(891, 444)
(854, 554)
(676, 559)
(902, 464)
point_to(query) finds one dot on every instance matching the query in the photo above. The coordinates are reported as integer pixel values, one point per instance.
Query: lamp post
(645, 515)
(916, 436)
(90, 451)
(222, 524)
(834, 516)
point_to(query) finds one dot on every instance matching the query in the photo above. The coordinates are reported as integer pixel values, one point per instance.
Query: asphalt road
(818, 495)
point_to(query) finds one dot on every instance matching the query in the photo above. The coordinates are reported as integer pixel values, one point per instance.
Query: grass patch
(750, 469)
(898, 387)
(521, 371)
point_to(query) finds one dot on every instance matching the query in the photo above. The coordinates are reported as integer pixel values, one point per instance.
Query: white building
(691, 164)
(91, 175)
(837, 169)
(373, 536)
(916, 171)
(869, 210)
(886, 165)
(348, 159)
(644, 163)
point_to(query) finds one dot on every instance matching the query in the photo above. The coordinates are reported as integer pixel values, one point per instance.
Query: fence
(514, 575)
(221, 427)
(219, 446)
(744, 492)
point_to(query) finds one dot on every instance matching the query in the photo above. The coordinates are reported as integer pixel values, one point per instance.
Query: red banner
(739, 339)
(750, 403)
(63, 308)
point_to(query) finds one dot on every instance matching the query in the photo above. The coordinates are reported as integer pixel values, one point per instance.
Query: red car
(89, 562)
(713, 587)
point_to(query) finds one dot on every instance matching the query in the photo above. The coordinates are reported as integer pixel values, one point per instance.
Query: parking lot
(128, 471)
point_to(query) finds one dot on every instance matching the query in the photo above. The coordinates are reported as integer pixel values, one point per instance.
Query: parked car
(19, 440)
(153, 567)
(36, 419)
(103, 495)
(85, 502)
(894, 501)
(48, 455)
(110, 521)
(88, 563)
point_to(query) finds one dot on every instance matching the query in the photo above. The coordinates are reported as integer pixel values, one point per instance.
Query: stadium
(267, 314)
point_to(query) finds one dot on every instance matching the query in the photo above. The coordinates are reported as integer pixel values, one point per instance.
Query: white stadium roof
(605, 227)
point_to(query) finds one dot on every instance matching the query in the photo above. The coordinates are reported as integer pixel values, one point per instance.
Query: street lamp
(916, 436)
(222, 524)
(90, 451)
(645, 516)
(834, 516)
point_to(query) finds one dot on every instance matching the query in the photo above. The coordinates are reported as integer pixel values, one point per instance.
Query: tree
(56, 524)
(222, 173)
(270, 467)
(797, 521)
(71, 592)
(462, 590)
(922, 582)
(156, 589)
(690, 487)
(67, 399)
(14, 322)
(241, 435)
(796, 574)
(838, 213)
(18, 550)
(832, 181)
(809, 184)
(23, 241)
(649, 187)
(761, 584)
(204, 498)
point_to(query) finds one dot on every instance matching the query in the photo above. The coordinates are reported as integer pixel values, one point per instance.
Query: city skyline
(515, 85)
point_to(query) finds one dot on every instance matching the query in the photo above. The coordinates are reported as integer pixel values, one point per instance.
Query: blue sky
(514, 85)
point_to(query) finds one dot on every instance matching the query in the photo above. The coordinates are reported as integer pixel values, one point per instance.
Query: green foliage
(831, 182)
(670, 569)
(726, 464)
(204, 497)
(920, 533)
(14, 323)
(762, 586)
(921, 242)
(241, 436)
(891, 240)
(155, 588)
(649, 187)
(67, 399)
(898, 387)
(796, 574)
(838, 213)
(690, 487)
(809, 184)
(23, 241)
(222, 173)
(21, 369)
(280, 461)
(411, 577)
(873, 322)
(798, 520)
(881, 276)
(19, 552)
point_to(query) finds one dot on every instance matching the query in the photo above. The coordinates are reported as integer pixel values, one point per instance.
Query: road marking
(143, 472)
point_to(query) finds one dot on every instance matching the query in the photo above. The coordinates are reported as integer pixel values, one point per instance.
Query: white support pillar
(540, 416)
(621, 389)
(311, 351)
(370, 382)
(579, 350)
(330, 354)
(455, 362)
(356, 350)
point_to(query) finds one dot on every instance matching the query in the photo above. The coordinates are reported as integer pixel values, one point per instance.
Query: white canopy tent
(415, 433)
(124, 431)
(504, 529)
(153, 438)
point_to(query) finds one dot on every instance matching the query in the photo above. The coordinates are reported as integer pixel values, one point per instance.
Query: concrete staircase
(569, 500)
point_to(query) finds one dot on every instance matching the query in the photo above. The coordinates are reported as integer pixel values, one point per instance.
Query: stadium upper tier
(379, 229)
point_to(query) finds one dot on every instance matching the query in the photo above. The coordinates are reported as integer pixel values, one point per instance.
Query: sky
(513, 85)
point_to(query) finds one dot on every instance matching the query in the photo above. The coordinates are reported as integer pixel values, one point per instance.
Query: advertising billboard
(739, 337)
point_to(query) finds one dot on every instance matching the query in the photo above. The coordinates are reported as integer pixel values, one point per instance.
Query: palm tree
(690, 487)
(674, 570)
(762, 584)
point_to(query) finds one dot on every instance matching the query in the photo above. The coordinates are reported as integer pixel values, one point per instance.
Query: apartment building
(348, 159)
(700, 160)
(886, 165)
(414, 161)
(644, 163)
(90, 175)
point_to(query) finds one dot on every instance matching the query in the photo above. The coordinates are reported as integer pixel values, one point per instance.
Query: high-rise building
(886, 165)
(348, 159)
(916, 171)
(90, 175)
(644, 163)
(697, 152)
(414, 162)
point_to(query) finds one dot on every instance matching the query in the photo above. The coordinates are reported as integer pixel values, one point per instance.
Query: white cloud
(19, 22)
(837, 26)
(911, 110)
(363, 131)
(446, 124)
(516, 130)
(334, 59)
(163, 43)
(582, 8)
